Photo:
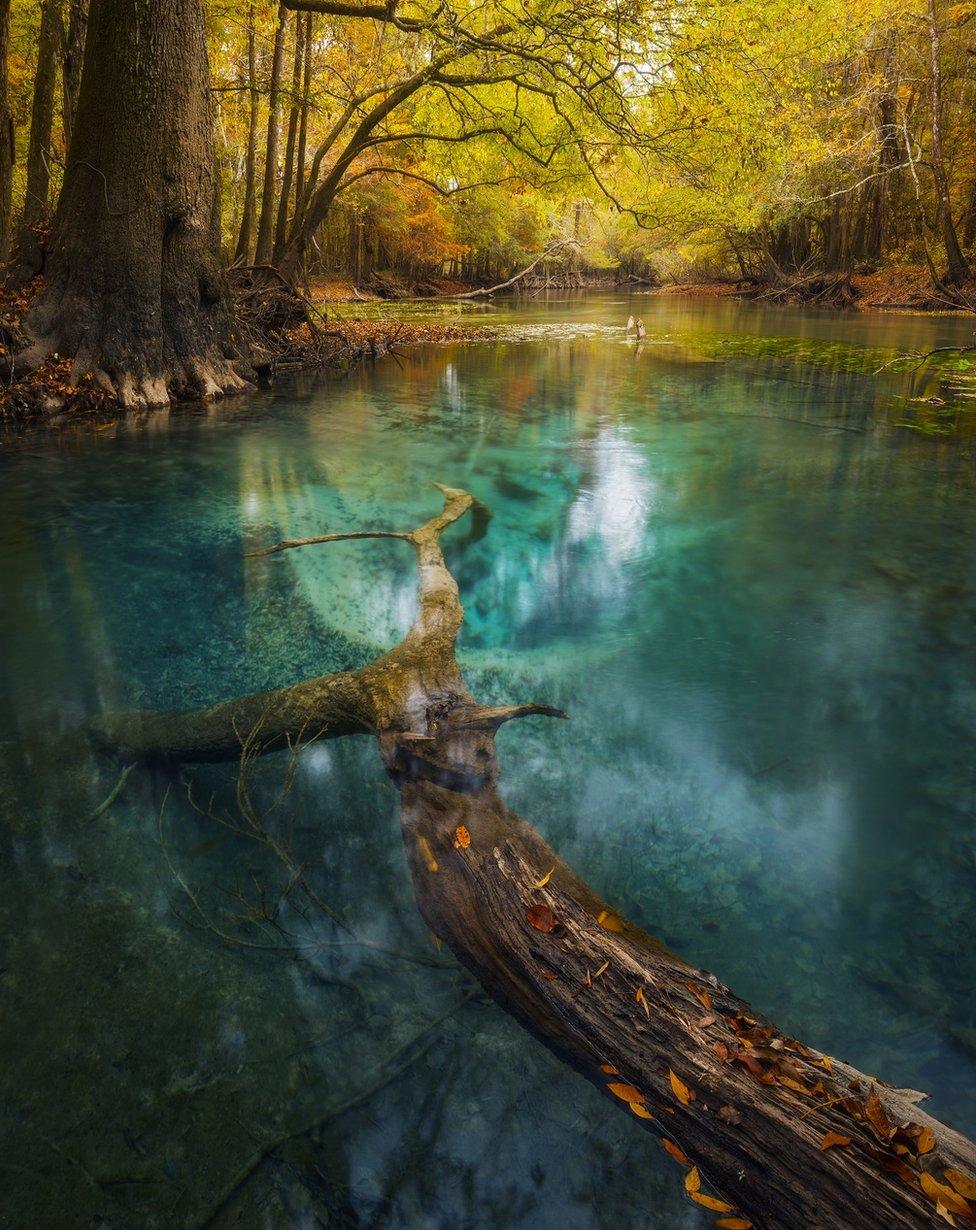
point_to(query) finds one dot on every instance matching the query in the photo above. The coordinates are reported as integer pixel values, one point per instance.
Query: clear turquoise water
(754, 591)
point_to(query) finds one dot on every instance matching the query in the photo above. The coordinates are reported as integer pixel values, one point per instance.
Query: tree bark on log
(771, 1132)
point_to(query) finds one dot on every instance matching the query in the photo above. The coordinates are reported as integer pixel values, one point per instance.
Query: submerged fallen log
(770, 1132)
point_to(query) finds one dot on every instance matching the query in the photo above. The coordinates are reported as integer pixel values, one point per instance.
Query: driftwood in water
(781, 1136)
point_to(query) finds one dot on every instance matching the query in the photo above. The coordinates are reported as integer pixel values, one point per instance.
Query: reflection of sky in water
(762, 624)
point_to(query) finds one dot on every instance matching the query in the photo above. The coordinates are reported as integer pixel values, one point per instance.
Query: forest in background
(788, 148)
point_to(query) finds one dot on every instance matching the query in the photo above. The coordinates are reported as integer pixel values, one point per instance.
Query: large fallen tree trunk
(771, 1132)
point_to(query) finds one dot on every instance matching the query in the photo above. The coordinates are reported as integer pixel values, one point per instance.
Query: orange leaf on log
(877, 1117)
(675, 1151)
(710, 1202)
(963, 1184)
(835, 1140)
(462, 838)
(627, 1093)
(926, 1140)
(640, 1110)
(734, 1223)
(692, 1181)
(540, 917)
(609, 1069)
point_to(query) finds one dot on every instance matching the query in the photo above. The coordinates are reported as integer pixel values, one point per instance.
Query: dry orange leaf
(462, 838)
(877, 1117)
(963, 1184)
(835, 1140)
(639, 996)
(692, 1181)
(734, 1223)
(790, 1083)
(681, 1090)
(609, 922)
(710, 1202)
(626, 1093)
(546, 878)
(926, 1140)
(549, 975)
(825, 1063)
(640, 1110)
(609, 1069)
(540, 917)
(702, 994)
(676, 1152)
(944, 1195)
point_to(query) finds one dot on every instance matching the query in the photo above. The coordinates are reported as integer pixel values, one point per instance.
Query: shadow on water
(754, 592)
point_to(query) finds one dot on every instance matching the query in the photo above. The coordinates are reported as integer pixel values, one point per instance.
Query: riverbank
(49, 396)
(896, 288)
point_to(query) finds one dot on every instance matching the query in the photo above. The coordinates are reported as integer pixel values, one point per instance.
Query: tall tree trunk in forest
(6, 134)
(72, 60)
(284, 200)
(266, 224)
(134, 290)
(30, 253)
(958, 268)
(303, 119)
(250, 165)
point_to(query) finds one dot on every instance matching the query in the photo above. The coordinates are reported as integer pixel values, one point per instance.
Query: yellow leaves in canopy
(681, 1091)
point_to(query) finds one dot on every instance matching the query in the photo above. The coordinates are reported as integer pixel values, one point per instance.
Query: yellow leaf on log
(945, 1195)
(609, 922)
(681, 1090)
(926, 1140)
(546, 878)
(692, 1181)
(640, 1110)
(734, 1223)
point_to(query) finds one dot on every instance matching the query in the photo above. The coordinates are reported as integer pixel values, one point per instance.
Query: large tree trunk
(30, 251)
(6, 134)
(782, 1137)
(134, 289)
(72, 62)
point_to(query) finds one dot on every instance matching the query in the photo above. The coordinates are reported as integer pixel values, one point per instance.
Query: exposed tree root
(781, 1136)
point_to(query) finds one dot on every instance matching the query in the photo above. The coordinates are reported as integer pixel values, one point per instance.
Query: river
(740, 557)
